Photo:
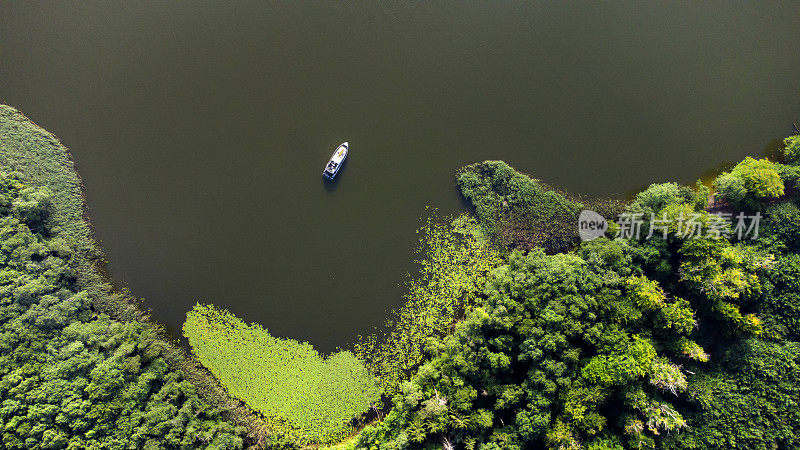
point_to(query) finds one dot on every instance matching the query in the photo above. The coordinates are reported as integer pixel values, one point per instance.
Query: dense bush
(287, 381)
(750, 401)
(699, 261)
(750, 183)
(780, 303)
(791, 150)
(659, 195)
(72, 378)
(779, 230)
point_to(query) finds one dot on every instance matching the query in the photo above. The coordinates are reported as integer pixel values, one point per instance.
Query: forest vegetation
(110, 320)
(674, 343)
(71, 377)
(513, 333)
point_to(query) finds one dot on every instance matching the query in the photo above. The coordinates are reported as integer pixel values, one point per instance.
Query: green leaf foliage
(792, 149)
(779, 231)
(781, 300)
(749, 183)
(751, 400)
(567, 349)
(283, 379)
(660, 195)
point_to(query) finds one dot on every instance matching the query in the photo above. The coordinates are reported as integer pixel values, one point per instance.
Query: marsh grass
(521, 212)
(457, 261)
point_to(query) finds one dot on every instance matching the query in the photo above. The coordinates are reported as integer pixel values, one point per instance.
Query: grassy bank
(41, 161)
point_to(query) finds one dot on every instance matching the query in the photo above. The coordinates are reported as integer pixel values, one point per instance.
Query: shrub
(781, 302)
(791, 150)
(750, 401)
(659, 195)
(781, 228)
(749, 183)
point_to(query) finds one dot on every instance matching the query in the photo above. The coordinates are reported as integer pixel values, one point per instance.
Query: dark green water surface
(201, 129)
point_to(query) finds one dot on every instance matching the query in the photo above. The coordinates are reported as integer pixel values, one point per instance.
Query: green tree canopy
(749, 183)
(792, 149)
(73, 378)
(560, 339)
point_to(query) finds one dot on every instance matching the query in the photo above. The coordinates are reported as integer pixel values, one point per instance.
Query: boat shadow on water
(331, 185)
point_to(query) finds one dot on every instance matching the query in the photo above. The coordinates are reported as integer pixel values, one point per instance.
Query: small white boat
(336, 162)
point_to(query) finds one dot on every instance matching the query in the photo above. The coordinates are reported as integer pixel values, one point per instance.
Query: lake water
(201, 129)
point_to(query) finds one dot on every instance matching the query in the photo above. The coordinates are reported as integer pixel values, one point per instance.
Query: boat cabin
(335, 162)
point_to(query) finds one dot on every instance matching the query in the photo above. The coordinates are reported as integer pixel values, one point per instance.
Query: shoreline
(111, 298)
